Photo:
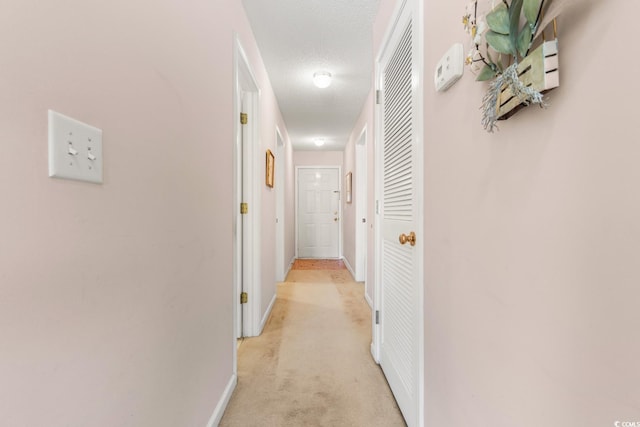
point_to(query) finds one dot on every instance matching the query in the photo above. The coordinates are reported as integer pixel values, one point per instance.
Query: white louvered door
(400, 313)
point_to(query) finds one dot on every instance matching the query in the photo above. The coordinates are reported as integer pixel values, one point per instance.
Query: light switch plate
(75, 149)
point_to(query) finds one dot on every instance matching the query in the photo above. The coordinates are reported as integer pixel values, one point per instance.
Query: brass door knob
(335, 219)
(410, 238)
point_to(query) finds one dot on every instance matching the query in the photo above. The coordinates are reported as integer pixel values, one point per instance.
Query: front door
(318, 212)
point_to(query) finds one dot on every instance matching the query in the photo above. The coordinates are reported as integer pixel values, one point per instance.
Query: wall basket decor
(509, 49)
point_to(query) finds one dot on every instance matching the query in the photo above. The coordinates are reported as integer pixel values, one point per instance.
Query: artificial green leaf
(487, 73)
(514, 17)
(524, 40)
(489, 57)
(498, 19)
(531, 10)
(499, 42)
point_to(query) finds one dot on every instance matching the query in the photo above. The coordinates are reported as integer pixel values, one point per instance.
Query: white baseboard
(267, 314)
(346, 263)
(366, 297)
(223, 402)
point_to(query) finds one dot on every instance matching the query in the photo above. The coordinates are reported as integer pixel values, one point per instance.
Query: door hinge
(244, 208)
(244, 298)
(377, 317)
(378, 96)
(244, 119)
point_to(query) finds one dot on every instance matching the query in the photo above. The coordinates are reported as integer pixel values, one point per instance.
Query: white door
(318, 212)
(400, 263)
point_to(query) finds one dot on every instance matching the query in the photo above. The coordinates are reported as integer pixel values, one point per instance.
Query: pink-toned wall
(532, 235)
(290, 216)
(349, 209)
(364, 122)
(270, 117)
(116, 299)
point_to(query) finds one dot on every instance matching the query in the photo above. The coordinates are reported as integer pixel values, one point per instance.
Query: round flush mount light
(322, 79)
(319, 142)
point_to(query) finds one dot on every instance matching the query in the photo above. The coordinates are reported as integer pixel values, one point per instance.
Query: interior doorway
(246, 209)
(280, 190)
(361, 189)
(318, 211)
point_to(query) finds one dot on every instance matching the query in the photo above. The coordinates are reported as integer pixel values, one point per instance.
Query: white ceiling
(299, 37)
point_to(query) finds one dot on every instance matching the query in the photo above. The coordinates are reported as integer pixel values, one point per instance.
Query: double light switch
(75, 149)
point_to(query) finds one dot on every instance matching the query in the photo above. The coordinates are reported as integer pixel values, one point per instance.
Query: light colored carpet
(312, 365)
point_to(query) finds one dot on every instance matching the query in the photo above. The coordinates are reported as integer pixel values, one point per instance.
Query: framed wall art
(269, 168)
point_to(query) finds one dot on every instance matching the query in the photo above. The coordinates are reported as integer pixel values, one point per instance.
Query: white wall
(532, 236)
(116, 299)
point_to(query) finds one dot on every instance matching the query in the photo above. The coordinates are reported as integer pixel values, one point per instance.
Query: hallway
(312, 365)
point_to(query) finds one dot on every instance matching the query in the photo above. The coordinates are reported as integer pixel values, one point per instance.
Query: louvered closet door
(399, 350)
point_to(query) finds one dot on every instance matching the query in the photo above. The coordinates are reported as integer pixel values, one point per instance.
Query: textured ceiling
(299, 37)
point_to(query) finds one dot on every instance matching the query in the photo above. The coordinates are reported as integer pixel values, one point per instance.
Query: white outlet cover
(75, 149)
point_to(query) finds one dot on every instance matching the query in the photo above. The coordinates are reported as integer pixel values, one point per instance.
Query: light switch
(75, 149)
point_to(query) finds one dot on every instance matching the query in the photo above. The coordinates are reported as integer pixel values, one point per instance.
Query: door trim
(362, 194)
(246, 263)
(339, 169)
(416, 9)
(280, 190)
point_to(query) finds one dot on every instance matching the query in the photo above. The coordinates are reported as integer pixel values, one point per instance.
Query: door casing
(246, 264)
(361, 190)
(280, 173)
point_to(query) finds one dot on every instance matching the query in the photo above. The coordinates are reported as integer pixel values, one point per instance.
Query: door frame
(246, 253)
(340, 192)
(280, 190)
(416, 9)
(361, 190)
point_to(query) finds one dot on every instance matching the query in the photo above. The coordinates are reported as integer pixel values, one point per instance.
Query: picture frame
(348, 184)
(270, 165)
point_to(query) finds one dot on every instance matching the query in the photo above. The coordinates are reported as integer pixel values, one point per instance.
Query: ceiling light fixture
(322, 79)
(319, 142)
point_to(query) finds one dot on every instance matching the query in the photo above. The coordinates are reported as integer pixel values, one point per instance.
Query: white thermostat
(450, 68)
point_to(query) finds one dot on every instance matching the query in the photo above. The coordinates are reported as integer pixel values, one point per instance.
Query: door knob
(411, 238)
(335, 219)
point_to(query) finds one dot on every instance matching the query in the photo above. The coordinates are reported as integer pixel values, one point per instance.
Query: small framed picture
(348, 188)
(270, 166)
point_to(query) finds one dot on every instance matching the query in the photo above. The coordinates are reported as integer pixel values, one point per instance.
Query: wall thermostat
(450, 68)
